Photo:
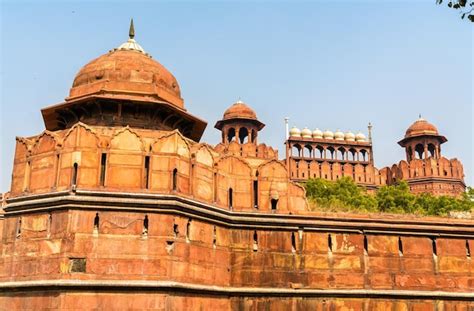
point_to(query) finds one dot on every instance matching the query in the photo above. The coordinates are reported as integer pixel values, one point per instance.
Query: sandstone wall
(131, 160)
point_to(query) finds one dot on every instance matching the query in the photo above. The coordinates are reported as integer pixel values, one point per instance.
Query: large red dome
(127, 73)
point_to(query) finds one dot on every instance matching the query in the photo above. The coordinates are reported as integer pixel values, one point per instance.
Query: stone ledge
(169, 203)
(118, 285)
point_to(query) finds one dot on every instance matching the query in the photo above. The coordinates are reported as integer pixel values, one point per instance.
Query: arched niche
(173, 143)
(127, 140)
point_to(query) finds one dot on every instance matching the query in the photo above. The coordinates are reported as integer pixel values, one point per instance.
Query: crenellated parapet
(437, 176)
(248, 150)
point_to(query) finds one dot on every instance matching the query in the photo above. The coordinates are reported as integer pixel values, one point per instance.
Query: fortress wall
(122, 245)
(119, 248)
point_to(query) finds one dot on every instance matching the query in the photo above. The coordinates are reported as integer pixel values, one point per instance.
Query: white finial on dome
(131, 44)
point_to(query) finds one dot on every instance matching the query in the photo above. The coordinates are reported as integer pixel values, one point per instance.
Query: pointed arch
(203, 155)
(45, 142)
(273, 169)
(81, 135)
(233, 173)
(22, 148)
(127, 139)
(173, 142)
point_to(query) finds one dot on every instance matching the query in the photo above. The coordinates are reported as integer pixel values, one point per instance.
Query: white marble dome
(349, 136)
(306, 133)
(317, 133)
(360, 137)
(328, 134)
(338, 135)
(295, 132)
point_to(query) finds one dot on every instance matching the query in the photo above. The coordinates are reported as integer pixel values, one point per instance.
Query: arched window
(18, 228)
(230, 134)
(307, 151)
(274, 203)
(188, 231)
(96, 223)
(296, 151)
(214, 237)
(255, 241)
(340, 153)
(243, 135)
(103, 163)
(320, 152)
(329, 243)
(175, 179)
(74, 176)
(432, 150)
(231, 198)
(293, 242)
(366, 245)
(146, 177)
(363, 154)
(254, 136)
(145, 226)
(330, 153)
(419, 151)
(26, 180)
(400, 246)
(410, 153)
(352, 154)
(255, 192)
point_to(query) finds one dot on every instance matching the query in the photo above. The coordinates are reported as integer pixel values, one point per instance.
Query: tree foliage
(464, 7)
(345, 195)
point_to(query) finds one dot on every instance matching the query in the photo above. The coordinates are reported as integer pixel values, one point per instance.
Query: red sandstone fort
(116, 205)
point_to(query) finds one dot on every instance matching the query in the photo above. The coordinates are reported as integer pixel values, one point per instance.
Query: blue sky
(326, 64)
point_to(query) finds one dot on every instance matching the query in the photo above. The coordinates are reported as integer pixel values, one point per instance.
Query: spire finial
(419, 115)
(370, 131)
(131, 32)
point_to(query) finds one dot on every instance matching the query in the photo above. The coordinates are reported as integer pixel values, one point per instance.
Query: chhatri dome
(238, 123)
(421, 127)
(239, 110)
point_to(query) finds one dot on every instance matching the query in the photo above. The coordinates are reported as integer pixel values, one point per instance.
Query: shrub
(345, 195)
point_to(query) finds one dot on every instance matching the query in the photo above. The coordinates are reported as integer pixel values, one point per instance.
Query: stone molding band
(169, 203)
(170, 286)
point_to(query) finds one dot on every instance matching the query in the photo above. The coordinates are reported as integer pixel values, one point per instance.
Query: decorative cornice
(164, 203)
(170, 286)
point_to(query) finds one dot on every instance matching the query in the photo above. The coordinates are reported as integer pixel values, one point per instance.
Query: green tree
(396, 198)
(342, 194)
(345, 195)
(464, 7)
